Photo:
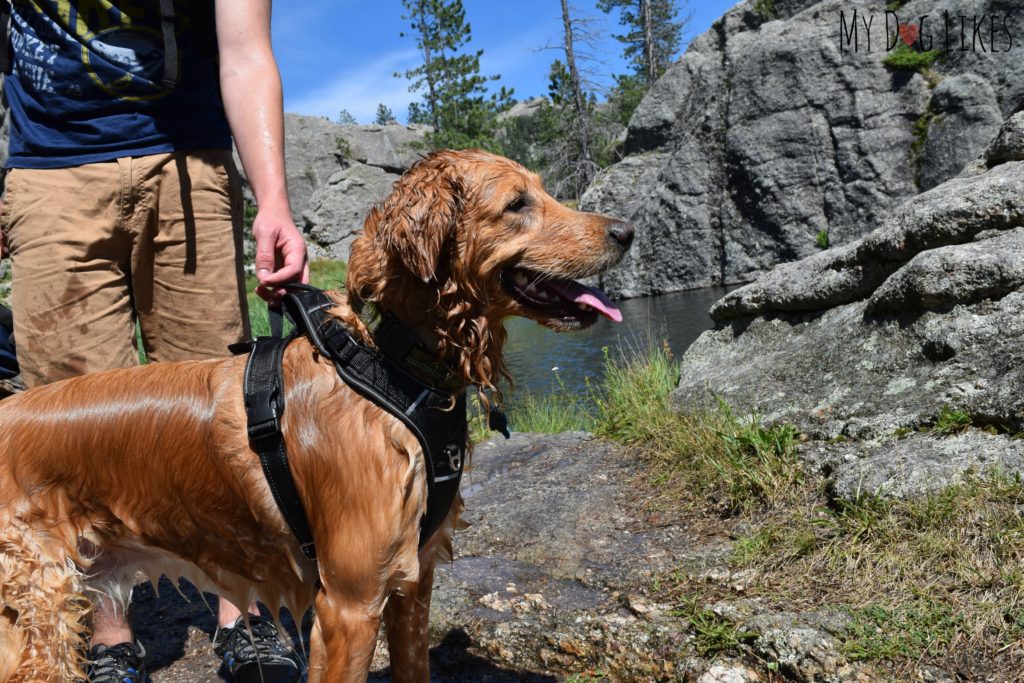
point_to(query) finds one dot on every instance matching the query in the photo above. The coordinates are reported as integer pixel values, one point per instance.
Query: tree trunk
(585, 163)
(650, 57)
(428, 67)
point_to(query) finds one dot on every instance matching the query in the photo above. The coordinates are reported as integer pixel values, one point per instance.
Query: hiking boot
(121, 663)
(260, 659)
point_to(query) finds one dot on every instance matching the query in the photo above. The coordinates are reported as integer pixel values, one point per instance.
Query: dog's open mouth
(558, 297)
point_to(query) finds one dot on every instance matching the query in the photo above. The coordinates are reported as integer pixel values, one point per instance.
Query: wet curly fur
(196, 503)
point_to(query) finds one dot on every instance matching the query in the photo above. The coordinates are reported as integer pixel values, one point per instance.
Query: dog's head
(466, 239)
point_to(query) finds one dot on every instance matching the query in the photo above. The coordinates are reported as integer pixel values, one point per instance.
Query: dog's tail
(43, 626)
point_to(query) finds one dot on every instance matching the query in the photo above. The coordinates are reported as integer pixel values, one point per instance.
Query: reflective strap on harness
(264, 407)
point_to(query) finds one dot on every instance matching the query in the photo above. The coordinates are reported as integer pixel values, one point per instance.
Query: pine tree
(573, 164)
(653, 34)
(384, 115)
(455, 101)
(346, 119)
(417, 114)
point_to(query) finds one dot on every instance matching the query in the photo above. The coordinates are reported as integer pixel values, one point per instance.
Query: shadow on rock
(452, 662)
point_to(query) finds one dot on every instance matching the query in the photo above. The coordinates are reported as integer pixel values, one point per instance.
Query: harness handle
(275, 316)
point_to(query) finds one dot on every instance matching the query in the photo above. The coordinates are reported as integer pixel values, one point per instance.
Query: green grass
(633, 404)
(589, 677)
(908, 59)
(951, 422)
(322, 273)
(918, 573)
(908, 631)
(895, 5)
(712, 633)
(766, 9)
(821, 238)
(730, 459)
(715, 452)
(919, 578)
(550, 414)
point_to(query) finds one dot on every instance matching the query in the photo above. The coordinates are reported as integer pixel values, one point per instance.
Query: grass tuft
(712, 632)
(559, 411)
(922, 580)
(951, 422)
(821, 238)
(766, 9)
(909, 631)
(906, 58)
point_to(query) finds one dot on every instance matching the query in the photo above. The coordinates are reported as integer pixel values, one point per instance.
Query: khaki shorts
(155, 238)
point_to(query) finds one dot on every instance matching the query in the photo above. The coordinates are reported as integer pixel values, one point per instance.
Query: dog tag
(454, 454)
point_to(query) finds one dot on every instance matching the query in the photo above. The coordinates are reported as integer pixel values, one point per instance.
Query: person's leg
(190, 298)
(187, 270)
(189, 285)
(70, 289)
(70, 282)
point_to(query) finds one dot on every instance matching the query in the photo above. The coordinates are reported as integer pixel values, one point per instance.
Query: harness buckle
(264, 420)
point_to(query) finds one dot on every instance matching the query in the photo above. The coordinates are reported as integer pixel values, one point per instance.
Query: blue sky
(342, 54)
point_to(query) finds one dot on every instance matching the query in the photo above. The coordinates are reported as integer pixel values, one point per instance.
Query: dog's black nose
(622, 233)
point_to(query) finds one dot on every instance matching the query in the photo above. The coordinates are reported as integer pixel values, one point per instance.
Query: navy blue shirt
(86, 82)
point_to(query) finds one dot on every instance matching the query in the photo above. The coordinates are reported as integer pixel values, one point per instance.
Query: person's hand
(280, 253)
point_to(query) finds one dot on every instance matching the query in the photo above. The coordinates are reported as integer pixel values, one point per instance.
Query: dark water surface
(533, 351)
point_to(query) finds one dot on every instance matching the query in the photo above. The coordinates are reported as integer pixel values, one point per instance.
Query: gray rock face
(1009, 143)
(393, 148)
(338, 207)
(916, 464)
(964, 117)
(335, 173)
(879, 336)
(768, 131)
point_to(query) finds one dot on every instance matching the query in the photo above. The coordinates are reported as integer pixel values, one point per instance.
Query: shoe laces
(263, 644)
(121, 663)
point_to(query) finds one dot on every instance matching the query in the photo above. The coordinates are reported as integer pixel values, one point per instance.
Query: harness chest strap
(396, 380)
(264, 406)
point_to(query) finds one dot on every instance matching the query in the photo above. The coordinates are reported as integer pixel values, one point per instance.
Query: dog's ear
(421, 214)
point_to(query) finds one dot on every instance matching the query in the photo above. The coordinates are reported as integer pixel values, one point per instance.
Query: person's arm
(251, 88)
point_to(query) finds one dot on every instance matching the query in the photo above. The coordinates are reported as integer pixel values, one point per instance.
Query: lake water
(533, 351)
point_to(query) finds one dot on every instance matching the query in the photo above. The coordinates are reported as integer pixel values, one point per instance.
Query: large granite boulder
(770, 130)
(880, 337)
(337, 208)
(336, 173)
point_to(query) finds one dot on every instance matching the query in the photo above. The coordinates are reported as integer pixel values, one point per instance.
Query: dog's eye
(518, 204)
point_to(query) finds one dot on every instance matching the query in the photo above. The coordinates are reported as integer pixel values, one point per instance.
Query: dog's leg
(407, 620)
(342, 643)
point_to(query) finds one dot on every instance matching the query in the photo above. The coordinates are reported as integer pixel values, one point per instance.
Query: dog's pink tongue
(596, 299)
(588, 296)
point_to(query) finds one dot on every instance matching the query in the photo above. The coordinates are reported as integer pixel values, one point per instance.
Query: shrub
(906, 58)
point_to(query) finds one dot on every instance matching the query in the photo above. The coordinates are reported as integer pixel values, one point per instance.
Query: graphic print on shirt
(120, 45)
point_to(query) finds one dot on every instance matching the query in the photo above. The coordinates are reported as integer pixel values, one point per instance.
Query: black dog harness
(401, 377)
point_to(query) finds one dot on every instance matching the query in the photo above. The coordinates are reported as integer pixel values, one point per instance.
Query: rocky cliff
(879, 338)
(773, 128)
(337, 172)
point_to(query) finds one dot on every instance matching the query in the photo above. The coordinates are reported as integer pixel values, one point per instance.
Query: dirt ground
(176, 630)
